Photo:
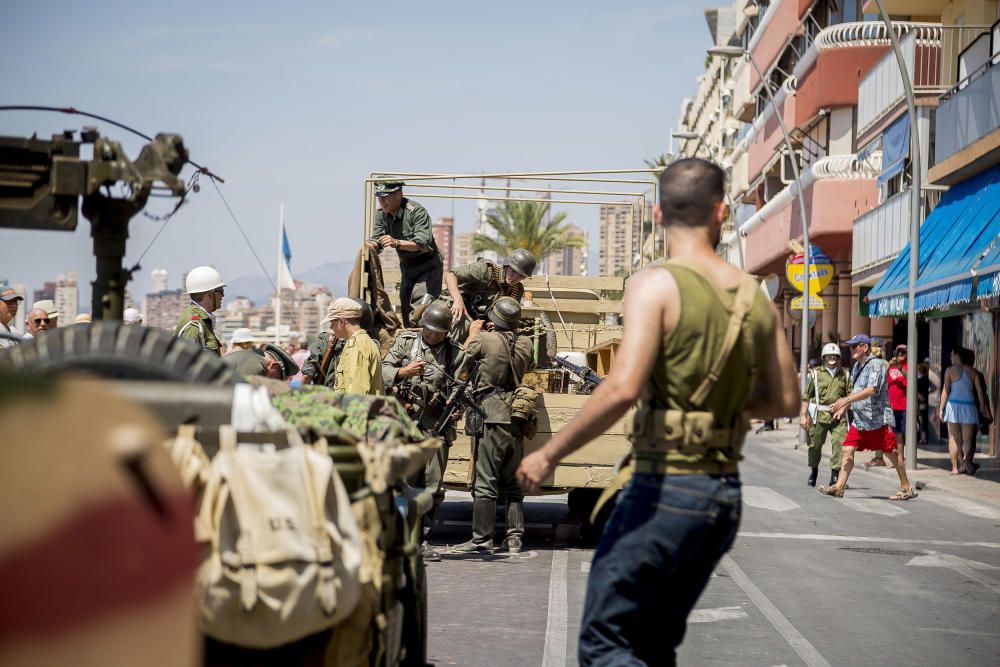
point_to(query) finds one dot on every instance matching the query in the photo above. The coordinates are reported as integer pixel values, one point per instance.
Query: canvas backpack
(282, 547)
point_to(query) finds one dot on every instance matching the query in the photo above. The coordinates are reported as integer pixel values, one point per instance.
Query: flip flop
(904, 494)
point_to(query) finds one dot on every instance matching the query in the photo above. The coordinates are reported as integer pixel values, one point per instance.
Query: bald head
(690, 192)
(38, 321)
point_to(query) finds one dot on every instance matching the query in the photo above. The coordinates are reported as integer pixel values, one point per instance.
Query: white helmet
(132, 316)
(831, 348)
(203, 279)
(242, 335)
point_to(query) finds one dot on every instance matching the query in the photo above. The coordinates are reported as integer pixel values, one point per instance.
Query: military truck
(580, 315)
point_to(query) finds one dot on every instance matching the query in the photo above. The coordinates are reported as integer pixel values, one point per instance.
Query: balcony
(836, 191)
(966, 127)
(879, 235)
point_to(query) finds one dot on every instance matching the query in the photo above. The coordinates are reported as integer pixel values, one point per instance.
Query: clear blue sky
(297, 102)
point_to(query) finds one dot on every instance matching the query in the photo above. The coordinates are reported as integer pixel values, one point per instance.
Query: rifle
(589, 377)
(458, 398)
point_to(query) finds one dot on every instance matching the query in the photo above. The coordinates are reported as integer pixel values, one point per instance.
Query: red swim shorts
(882, 439)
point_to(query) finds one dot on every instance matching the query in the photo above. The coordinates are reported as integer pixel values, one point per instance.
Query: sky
(297, 102)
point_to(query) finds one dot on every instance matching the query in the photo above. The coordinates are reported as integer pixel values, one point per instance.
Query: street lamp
(691, 136)
(910, 447)
(739, 52)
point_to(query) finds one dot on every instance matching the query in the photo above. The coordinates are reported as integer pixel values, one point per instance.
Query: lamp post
(739, 52)
(910, 447)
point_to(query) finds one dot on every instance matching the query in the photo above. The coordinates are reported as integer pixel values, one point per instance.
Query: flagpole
(277, 275)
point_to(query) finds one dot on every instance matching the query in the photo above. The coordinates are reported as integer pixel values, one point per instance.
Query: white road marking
(962, 505)
(859, 538)
(962, 566)
(554, 654)
(718, 614)
(873, 506)
(767, 499)
(795, 639)
(585, 567)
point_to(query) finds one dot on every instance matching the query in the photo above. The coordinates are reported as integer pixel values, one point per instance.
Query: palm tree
(522, 224)
(661, 161)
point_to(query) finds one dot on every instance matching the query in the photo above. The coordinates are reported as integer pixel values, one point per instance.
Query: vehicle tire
(591, 531)
(581, 502)
(113, 350)
(551, 344)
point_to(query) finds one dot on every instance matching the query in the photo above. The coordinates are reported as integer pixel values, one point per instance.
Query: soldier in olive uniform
(824, 386)
(271, 362)
(205, 287)
(417, 368)
(504, 359)
(475, 287)
(319, 368)
(404, 225)
(359, 369)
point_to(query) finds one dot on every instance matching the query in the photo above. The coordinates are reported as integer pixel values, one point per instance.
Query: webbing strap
(244, 542)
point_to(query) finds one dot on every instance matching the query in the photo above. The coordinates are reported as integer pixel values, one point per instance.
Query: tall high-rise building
(444, 237)
(67, 297)
(48, 291)
(463, 249)
(568, 260)
(163, 309)
(613, 256)
(159, 280)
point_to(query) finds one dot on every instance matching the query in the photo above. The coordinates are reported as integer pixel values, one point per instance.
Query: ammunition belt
(659, 467)
(688, 433)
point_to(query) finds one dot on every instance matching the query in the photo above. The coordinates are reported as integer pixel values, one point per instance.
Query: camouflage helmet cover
(522, 261)
(505, 313)
(437, 317)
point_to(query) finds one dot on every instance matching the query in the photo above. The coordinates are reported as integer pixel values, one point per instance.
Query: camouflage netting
(390, 444)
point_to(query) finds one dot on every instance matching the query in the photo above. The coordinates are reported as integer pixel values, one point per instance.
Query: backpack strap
(326, 592)
(244, 543)
(746, 294)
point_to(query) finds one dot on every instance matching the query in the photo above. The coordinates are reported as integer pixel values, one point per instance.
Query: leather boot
(515, 526)
(834, 476)
(813, 473)
(484, 515)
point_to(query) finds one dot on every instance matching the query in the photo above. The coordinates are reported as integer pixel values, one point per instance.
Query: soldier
(271, 361)
(824, 386)
(504, 358)
(474, 287)
(319, 367)
(204, 285)
(702, 360)
(404, 225)
(359, 369)
(417, 368)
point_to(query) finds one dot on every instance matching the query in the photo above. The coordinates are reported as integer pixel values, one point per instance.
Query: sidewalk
(933, 466)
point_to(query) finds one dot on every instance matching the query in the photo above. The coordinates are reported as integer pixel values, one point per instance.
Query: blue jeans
(661, 544)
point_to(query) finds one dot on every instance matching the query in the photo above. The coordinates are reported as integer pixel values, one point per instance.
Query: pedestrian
(300, 353)
(206, 288)
(896, 375)
(923, 398)
(496, 362)
(269, 361)
(132, 317)
(869, 429)
(934, 401)
(359, 369)
(983, 406)
(403, 224)
(824, 386)
(49, 306)
(960, 410)
(877, 459)
(9, 301)
(697, 389)
(417, 369)
(38, 321)
(475, 287)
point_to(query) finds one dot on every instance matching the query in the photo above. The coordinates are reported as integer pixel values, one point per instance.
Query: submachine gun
(589, 378)
(457, 400)
(42, 180)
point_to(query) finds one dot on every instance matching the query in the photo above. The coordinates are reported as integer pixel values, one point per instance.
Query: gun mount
(42, 181)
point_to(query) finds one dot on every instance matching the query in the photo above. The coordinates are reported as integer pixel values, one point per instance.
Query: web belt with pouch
(687, 442)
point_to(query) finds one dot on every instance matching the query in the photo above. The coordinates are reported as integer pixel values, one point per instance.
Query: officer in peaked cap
(269, 361)
(403, 224)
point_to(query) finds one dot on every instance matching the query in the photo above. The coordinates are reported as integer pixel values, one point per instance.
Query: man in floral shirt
(869, 402)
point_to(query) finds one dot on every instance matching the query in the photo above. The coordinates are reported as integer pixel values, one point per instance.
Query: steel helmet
(437, 317)
(831, 348)
(202, 279)
(505, 313)
(522, 261)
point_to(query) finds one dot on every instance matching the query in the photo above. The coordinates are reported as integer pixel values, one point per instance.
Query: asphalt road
(811, 580)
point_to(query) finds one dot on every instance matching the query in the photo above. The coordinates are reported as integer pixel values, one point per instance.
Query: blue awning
(895, 148)
(989, 272)
(953, 238)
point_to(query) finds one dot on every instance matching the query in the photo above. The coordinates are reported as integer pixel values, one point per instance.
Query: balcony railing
(880, 234)
(968, 112)
(931, 53)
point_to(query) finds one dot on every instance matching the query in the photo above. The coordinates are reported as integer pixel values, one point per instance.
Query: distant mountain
(256, 288)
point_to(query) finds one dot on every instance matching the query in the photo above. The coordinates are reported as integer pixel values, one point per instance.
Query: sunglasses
(40, 320)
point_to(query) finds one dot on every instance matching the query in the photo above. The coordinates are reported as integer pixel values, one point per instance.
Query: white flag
(285, 262)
